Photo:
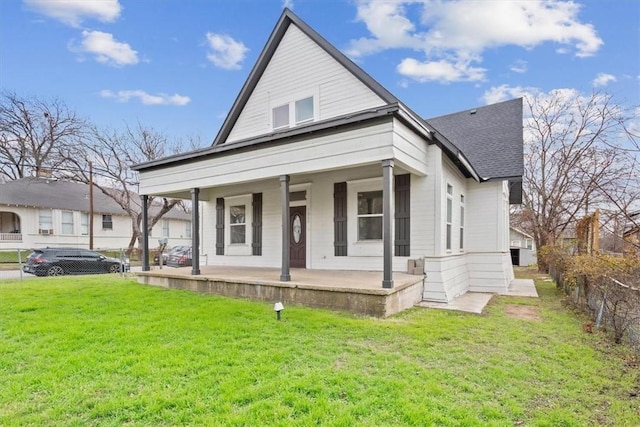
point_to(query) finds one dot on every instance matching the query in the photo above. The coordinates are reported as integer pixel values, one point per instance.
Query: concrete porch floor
(355, 291)
(475, 302)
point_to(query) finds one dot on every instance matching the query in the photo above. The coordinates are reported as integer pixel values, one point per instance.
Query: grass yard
(106, 351)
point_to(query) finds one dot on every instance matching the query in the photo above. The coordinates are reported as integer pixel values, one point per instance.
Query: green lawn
(106, 351)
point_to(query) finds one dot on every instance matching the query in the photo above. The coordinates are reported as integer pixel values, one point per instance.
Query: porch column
(285, 276)
(387, 216)
(195, 232)
(145, 233)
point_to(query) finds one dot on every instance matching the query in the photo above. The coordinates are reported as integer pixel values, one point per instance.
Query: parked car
(165, 254)
(59, 261)
(180, 258)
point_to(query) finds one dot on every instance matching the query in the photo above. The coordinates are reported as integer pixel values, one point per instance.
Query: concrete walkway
(475, 302)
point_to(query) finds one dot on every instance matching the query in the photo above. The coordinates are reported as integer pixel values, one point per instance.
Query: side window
(107, 222)
(187, 229)
(84, 223)
(449, 215)
(461, 222)
(67, 222)
(45, 221)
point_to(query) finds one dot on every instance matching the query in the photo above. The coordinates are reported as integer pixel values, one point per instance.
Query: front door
(298, 233)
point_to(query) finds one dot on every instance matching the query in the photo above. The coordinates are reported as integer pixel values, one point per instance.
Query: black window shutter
(256, 244)
(220, 226)
(402, 244)
(340, 218)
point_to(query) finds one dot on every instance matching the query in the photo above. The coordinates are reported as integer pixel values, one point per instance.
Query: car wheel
(114, 268)
(55, 270)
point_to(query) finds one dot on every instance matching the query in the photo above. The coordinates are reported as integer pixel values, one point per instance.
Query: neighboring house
(631, 236)
(40, 212)
(523, 248)
(318, 166)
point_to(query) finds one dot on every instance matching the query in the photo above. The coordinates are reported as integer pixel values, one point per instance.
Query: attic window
(281, 116)
(293, 113)
(304, 110)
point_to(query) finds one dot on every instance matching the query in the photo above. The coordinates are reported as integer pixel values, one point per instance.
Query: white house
(40, 212)
(523, 248)
(318, 166)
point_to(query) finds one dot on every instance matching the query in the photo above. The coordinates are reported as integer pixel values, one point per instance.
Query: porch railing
(10, 237)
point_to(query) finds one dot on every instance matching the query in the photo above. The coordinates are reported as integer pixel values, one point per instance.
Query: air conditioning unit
(45, 231)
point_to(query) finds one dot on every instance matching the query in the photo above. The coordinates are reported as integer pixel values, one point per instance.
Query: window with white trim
(461, 221)
(370, 215)
(238, 224)
(165, 228)
(45, 220)
(84, 223)
(449, 216)
(107, 222)
(529, 243)
(187, 229)
(67, 222)
(238, 233)
(293, 113)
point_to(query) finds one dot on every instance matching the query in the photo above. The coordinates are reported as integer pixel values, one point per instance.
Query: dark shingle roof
(59, 194)
(490, 137)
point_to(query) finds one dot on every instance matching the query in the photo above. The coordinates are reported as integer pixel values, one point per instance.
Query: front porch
(354, 291)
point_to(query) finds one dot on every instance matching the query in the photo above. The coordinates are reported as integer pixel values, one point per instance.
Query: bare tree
(112, 153)
(575, 161)
(32, 134)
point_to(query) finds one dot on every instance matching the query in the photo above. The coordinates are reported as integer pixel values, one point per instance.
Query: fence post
(601, 311)
(20, 262)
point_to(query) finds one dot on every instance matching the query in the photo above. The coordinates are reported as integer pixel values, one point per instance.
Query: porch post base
(387, 284)
(285, 277)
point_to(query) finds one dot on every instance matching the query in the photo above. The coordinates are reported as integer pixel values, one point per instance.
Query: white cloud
(105, 49)
(225, 52)
(146, 98)
(604, 79)
(459, 31)
(441, 71)
(505, 92)
(519, 66)
(73, 12)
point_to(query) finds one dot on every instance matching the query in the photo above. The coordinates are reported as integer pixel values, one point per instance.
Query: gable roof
(65, 195)
(468, 142)
(286, 19)
(490, 137)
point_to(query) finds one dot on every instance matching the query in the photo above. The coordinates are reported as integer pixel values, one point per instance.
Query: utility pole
(91, 205)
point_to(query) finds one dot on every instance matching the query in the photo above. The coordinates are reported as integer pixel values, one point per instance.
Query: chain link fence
(45, 262)
(613, 304)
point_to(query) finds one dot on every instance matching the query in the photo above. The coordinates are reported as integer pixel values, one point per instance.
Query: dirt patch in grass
(524, 312)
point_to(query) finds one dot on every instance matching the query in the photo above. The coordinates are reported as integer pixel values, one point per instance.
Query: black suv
(59, 261)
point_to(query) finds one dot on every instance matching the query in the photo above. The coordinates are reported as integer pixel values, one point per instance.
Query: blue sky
(177, 65)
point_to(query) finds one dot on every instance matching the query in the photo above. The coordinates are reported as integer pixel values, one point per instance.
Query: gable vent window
(304, 110)
(281, 116)
(293, 113)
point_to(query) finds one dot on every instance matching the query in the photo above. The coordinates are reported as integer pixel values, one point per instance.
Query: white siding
(116, 238)
(347, 149)
(300, 67)
(320, 250)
